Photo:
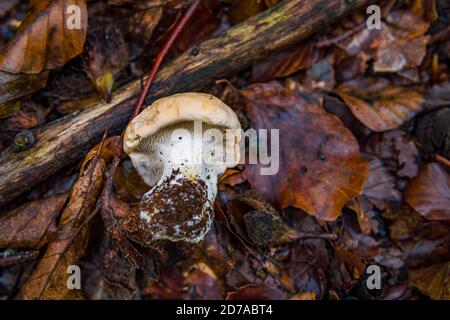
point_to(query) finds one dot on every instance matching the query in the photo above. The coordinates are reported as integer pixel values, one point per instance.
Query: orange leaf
(320, 168)
(286, 62)
(49, 278)
(378, 105)
(44, 41)
(432, 281)
(27, 225)
(429, 192)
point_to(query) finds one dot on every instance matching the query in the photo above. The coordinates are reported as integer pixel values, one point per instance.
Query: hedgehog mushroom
(179, 145)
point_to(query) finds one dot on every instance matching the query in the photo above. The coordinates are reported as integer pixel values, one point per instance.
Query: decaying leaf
(320, 168)
(380, 184)
(49, 278)
(380, 105)
(6, 6)
(433, 132)
(257, 292)
(44, 40)
(402, 45)
(432, 281)
(15, 86)
(27, 226)
(429, 192)
(286, 62)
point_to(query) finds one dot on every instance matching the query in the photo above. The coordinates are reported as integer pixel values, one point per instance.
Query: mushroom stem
(179, 206)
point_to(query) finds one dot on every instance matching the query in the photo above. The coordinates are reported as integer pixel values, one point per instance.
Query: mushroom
(179, 145)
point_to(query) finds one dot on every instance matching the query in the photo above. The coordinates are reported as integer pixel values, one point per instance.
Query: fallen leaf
(432, 131)
(232, 177)
(257, 292)
(128, 185)
(107, 152)
(6, 6)
(395, 55)
(106, 52)
(380, 185)
(432, 281)
(201, 283)
(429, 192)
(204, 22)
(380, 105)
(16, 86)
(286, 62)
(30, 115)
(320, 168)
(403, 221)
(27, 225)
(304, 296)
(402, 44)
(49, 278)
(425, 9)
(44, 41)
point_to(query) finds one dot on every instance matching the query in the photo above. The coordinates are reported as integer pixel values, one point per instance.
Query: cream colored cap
(189, 106)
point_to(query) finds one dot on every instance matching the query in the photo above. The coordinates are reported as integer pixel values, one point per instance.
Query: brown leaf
(380, 184)
(403, 221)
(425, 9)
(106, 52)
(432, 132)
(30, 115)
(27, 226)
(128, 185)
(49, 278)
(429, 192)
(6, 6)
(107, 152)
(43, 41)
(320, 166)
(304, 296)
(396, 55)
(379, 105)
(15, 86)
(432, 281)
(403, 44)
(257, 292)
(202, 24)
(286, 62)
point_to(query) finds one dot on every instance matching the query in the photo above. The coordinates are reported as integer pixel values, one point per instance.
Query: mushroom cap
(188, 106)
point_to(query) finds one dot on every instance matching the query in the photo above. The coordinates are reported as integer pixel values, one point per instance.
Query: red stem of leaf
(162, 54)
(158, 61)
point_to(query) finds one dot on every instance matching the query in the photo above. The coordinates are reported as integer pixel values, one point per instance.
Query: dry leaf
(6, 6)
(404, 220)
(43, 41)
(49, 278)
(379, 105)
(304, 296)
(429, 192)
(432, 281)
(286, 62)
(380, 184)
(27, 226)
(257, 292)
(320, 168)
(15, 86)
